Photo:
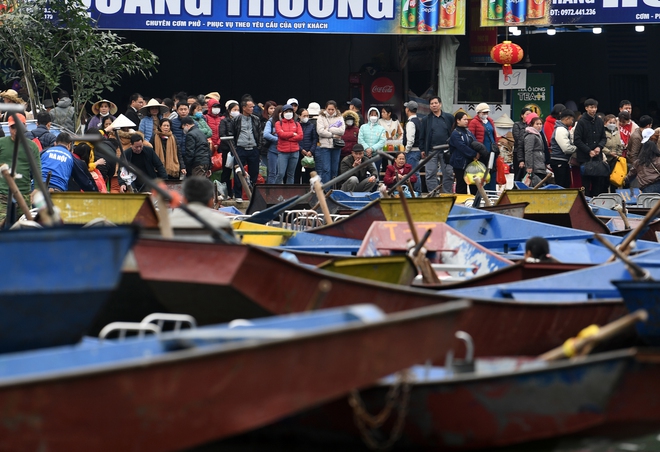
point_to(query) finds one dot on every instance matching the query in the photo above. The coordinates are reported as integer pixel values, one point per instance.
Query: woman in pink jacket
(289, 135)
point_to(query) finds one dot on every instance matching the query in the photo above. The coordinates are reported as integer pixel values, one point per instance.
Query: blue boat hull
(643, 295)
(56, 282)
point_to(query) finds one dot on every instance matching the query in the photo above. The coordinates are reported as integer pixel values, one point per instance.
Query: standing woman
(226, 129)
(518, 133)
(270, 138)
(164, 145)
(483, 128)
(266, 114)
(614, 146)
(462, 153)
(329, 126)
(536, 148)
(647, 165)
(393, 129)
(197, 114)
(289, 134)
(151, 116)
(350, 137)
(102, 110)
(551, 121)
(307, 144)
(372, 136)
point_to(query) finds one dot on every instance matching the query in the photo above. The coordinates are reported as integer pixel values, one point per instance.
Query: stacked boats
(309, 331)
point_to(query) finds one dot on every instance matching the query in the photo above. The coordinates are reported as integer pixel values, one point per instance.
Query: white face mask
(373, 119)
(234, 114)
(215, 111)
(612, 127)
(350, 122)
(304, 120)
(103, 115)
(288, 115)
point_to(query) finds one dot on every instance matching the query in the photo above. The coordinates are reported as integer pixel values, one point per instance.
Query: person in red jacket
(213, 119)
(289, 135)
(397, 170)
(483, 128)
(551, 120)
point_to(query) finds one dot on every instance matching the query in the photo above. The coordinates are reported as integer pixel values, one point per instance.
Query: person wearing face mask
(289, 134)
(562, 148)
(102, 109)
(198, 116)
(350, 137)
(213, 119)
(329, 126)
(518, 133)
(483, 128)
(307, 145)
(270, 143)
(266, 114)
(372, 136)
(589, 137)
(614, 145)
(226, 129)
(536, 148)
(198, 153)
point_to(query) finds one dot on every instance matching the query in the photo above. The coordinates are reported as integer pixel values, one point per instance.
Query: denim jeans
(327, 163)
(653, 188)
(286, 166)
(251, 159)
(413, 158)
(272, 166)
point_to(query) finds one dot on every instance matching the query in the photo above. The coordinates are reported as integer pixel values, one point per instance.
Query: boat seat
(647, 200)
(607, 200)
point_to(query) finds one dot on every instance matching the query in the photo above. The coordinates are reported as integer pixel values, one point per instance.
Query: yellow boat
(421, 209)
(258, 234)
(387, 269)
(119, 208)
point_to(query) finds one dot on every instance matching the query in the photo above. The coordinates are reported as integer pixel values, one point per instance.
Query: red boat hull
(232, 281)
(193, 396)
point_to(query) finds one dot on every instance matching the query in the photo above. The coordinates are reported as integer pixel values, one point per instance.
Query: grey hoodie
(63, 114)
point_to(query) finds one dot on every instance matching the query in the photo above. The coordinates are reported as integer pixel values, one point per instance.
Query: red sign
(382, 89)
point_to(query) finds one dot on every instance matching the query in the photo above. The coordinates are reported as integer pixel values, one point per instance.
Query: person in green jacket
(198, 116)
(22, 167)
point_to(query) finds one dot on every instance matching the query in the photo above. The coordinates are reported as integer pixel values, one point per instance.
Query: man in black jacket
(136, 102)
(590, 138)
(42, 132)
(144, 158)
(247, 138)
(198, 152)
(435, 130)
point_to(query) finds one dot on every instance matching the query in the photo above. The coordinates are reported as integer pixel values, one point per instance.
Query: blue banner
(568, 12)
(432, 17)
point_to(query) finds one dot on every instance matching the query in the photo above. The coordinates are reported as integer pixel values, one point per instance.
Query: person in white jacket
(562, 148)
(372, 135)
(329, 126)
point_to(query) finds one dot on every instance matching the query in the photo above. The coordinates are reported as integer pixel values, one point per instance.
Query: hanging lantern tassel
(506, 54)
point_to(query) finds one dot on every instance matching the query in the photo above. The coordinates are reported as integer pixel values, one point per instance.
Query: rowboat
(354, 200)
(219, 282)
(119, 208)
(643, 295)
(269, 195)
(504, 401)
(178, 389)
(566, 207)
(387, 269)
(56, 281)
(453, 255)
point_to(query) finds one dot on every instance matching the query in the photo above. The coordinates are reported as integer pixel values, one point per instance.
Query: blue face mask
(199, 114)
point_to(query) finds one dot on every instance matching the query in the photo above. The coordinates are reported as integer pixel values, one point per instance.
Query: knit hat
(646, 134)
(566, 113)
(530, 118)
(482, 107)
(314, 109)
(213, 95)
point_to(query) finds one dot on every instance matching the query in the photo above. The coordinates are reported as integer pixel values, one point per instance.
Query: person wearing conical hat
(151, 113)
(101, 110)
(10, 96)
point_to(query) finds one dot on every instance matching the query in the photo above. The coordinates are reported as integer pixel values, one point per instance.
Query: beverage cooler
(378, 90)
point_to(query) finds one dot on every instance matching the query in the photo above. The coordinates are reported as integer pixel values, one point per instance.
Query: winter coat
(613, 146)
(147, 127)
(350, 136)
(63, 114)
(213, 121)
(180, 138)
(203, 126)
(372, 135)
(310, 137)
(534, 151)
(561, 143)
(646, 175)
(198, 152)
(518, 133)
(391, 172)
(479, 130)
(270, 136)
(289, 134)
(328, 127)
(459, 146)
(45, 137)
(549, 127)
(589, 134)
(97, 121)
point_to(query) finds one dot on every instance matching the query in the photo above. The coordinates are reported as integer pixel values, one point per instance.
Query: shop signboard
(537, 95)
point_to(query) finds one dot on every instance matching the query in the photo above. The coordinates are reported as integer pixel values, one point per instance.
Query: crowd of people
(183, 136)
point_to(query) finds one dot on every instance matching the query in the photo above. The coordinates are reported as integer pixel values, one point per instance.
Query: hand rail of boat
(469, 344)
(124, 327)
(453, 267)
(159, 318)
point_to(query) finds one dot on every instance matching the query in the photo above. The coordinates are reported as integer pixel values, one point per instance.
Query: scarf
(169, 157)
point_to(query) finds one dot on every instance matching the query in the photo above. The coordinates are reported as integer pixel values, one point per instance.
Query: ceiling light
(639, 28)
(551, 31)
(513, 29)
(597, 30)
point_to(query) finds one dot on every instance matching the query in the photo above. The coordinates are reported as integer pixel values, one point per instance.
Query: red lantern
(506, 54)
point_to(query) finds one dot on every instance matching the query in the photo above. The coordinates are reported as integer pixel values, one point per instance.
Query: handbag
(216, 162)
(230, 161)
(596, 167)
(619, 171)
(476, 169)
(338, 143)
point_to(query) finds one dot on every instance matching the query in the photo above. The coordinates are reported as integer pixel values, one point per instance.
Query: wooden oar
(624, 247)
(622, 213)
(238, 167)
(322, 291)
(273, 212)
(637, 272)
(547, 176)
(429, 275)
(315, 180)
(482, 192)
(15, 192)
(583, 345)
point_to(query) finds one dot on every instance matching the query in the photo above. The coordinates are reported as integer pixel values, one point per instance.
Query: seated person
(144, 158)
(397, 170)
(60, 163)
(537, 249)
(365, 179)
(198, 196)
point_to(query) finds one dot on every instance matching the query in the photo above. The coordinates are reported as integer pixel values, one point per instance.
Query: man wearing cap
(561, 148)
(590, 138)
(411, 140)
(435, 130)
(365, 179)
(136, 102)
(198, 153)
(22, 166)
(355, 105)
(294, 103)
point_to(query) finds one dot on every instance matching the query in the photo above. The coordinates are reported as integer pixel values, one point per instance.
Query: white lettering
(233, 8)
(108, 6)
(131, 7)
(173, 6)
(291, 8)
(198, 7)
(652, 3)
(350, 8)
(321, 9)
(380, 9)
